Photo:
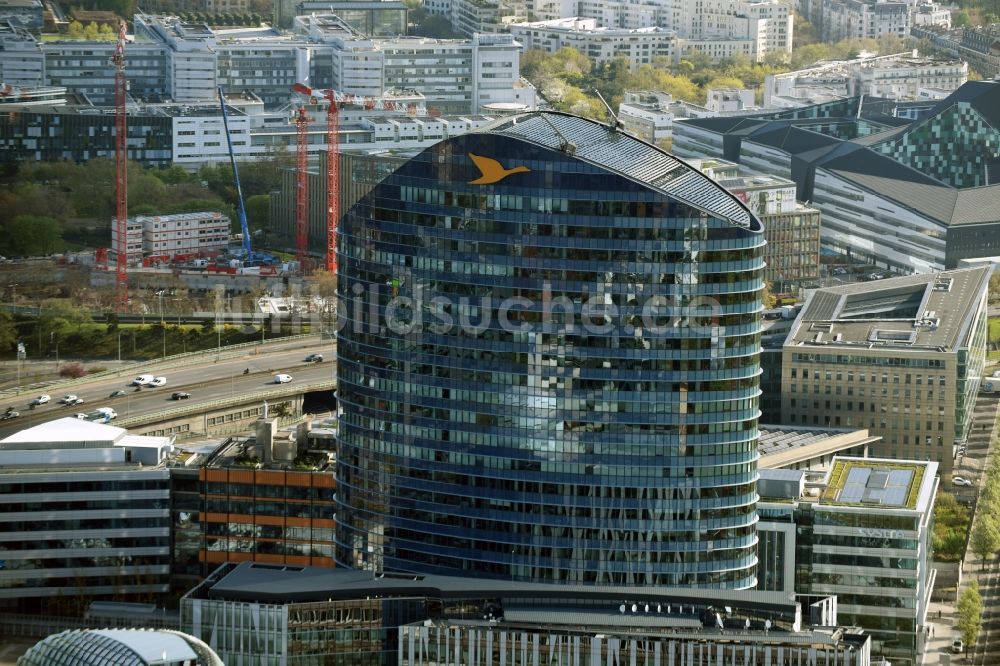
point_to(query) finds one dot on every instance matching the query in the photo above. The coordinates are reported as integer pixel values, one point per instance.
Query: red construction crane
(336, 100)
(121, 174)
(302, 189)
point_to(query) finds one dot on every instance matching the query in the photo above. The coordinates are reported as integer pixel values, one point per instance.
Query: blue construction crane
(250, 258)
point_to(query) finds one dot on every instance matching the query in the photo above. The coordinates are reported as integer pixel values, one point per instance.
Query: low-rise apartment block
(899, 76)
(902, 357)
(638, 45)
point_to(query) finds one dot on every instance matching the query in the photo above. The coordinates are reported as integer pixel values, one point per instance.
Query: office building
(267, 499)
(890, 191)
(861, 532)
(902, 357)
(24, 14)
(83, 514)
(129, 647)
(371, 18)
(85, 67)
(640, 46)
(810, 448)
(646, 114)
(277, 615)
(467, 447)
(792, 230)
(21, 62)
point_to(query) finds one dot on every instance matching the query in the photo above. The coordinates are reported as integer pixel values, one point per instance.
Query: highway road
(209, 381)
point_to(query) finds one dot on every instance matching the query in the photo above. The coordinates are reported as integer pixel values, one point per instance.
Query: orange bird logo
(491, 170)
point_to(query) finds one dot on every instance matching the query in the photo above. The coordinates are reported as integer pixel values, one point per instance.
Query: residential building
(454, 76)
(977, 45)
(186, 63)
(902, 357)
(84, 513)
(482, 430)
(360, 617)
(930, 14)
(858, 19)
(862, 532)
(899, 76)
(267, 499)
(476, 17)
(717, 28)
(98, 647)
(640, 46)
(646, 114)
(891, 192)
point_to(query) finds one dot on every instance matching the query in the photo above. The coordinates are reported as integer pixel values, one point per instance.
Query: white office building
(647, 115)
(84, 512)
(21, 61)
(866, 529)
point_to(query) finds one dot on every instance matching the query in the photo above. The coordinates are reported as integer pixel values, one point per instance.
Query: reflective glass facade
(554, 376)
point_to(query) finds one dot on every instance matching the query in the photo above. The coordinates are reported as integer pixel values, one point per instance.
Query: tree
(258, 209)
(72, 370)
(985, 536)
(970, 614)
(960, 19)
(8, 332)
(34, 235)
(74, 30)
(91, 31)
(62, 317)
(767, 297)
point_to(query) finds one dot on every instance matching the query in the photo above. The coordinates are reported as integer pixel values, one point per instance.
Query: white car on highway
(157, 382)
(142, 380)
(282, 378)
(40, 400)
(68, 399)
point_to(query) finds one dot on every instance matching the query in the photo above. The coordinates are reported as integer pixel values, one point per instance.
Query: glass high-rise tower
(548, 364)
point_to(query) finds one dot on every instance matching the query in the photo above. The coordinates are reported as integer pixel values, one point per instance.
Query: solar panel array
(885, 487)
(611, 149)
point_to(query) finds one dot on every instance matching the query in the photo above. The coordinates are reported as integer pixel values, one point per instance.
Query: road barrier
(233, 401)
(173, 361)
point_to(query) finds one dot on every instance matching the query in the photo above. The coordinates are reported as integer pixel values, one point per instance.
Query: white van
(142, 380)
(282, 379)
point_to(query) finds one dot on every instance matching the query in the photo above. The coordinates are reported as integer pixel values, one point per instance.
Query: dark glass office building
(548, 364)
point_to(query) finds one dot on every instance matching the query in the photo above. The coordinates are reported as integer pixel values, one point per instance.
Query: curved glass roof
(630, 157)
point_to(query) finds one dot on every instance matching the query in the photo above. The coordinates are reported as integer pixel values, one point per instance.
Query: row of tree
(568, 79)
(91, 31)
(985, 542)
(48, 205)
